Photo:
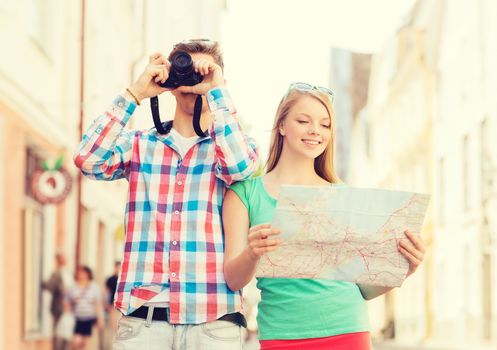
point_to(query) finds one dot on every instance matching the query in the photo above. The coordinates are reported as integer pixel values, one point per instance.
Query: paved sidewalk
(391, 345)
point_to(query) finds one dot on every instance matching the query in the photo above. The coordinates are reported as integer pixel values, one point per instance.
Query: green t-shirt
(295, 308)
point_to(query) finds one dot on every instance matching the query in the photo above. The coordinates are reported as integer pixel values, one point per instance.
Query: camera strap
(197, 111)
(154, 106)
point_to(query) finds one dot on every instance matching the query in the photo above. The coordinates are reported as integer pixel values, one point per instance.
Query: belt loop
(150, 314)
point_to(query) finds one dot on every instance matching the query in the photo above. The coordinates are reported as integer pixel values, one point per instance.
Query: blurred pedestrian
(298, 313)
(57, 284)
(112, 312)
(84, 299)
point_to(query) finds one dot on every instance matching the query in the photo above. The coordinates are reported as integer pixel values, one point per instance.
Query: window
(4, 6)
(465, 173)
(441, 191)
(440, 93)
(33, 268)
(102, 252)
(485, 163)
(34, 240)
(39, 22)
(486, 175)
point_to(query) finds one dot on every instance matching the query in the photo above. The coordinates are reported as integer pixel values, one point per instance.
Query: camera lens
(182, 62)
(182, 72)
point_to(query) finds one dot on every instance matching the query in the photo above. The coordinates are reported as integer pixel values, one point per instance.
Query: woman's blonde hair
(324, 163)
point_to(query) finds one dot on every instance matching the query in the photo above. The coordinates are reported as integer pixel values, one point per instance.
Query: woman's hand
(262, 239)
(414, 249)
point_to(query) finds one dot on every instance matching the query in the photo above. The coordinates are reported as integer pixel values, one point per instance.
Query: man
(171, 286)
(57, 284)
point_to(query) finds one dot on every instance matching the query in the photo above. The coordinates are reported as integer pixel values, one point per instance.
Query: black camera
(181, 72)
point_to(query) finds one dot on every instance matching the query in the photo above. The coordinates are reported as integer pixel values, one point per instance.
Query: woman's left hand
(414, 249)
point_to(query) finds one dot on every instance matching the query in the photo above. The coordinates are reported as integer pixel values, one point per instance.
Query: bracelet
(133, 95)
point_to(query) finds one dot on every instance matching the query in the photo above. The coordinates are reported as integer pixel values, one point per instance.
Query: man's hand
(213, 78)
(147, 83)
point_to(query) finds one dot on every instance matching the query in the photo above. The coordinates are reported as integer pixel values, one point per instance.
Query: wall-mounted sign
(51, 186)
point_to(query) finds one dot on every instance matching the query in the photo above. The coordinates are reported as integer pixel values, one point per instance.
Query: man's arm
(52, 283)
(236, 153)
(105, 151)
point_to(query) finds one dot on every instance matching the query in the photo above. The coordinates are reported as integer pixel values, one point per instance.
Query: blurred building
(349, 79)
(38, 122)
(427, 126)
(396, 142)
(46, 90)
(465, 164)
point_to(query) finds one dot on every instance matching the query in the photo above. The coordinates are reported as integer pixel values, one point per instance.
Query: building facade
(465, 174)
(428, 127)
(62, 64)
(349, 80)
(392, 149)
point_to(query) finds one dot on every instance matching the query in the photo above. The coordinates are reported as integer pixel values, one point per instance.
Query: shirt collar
(168, 137)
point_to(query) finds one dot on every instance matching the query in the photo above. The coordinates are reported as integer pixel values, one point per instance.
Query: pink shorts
(350, 341)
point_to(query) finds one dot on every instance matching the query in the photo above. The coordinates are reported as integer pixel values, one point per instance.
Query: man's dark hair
(200, 46)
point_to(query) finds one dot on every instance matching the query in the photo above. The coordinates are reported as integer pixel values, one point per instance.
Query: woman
(84, 299)
(298, 313)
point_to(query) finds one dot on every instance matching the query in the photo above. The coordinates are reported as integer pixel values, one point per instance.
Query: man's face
(186, 101)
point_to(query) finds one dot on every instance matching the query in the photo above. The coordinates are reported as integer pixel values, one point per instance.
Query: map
(343, 233)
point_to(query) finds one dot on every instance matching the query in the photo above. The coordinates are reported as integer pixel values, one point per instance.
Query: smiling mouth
(311, 142)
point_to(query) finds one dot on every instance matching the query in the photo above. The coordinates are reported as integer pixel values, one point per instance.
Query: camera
(181, 72)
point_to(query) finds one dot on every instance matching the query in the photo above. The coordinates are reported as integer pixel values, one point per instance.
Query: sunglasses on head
(309, 87)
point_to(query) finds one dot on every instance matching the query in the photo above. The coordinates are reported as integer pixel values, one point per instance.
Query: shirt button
(176, 212)
(120, 104)
(173, 274)
(174, 242)
(180, 183)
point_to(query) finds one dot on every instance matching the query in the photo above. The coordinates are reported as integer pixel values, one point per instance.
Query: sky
(270, 43)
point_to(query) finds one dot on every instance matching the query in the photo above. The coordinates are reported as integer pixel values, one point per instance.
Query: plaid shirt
(174, 237)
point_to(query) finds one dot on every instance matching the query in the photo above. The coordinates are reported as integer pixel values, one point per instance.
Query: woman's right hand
(262, 239)
(147, 83)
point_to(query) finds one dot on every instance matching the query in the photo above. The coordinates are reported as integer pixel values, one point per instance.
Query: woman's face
(307, 128)
(82, 275)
